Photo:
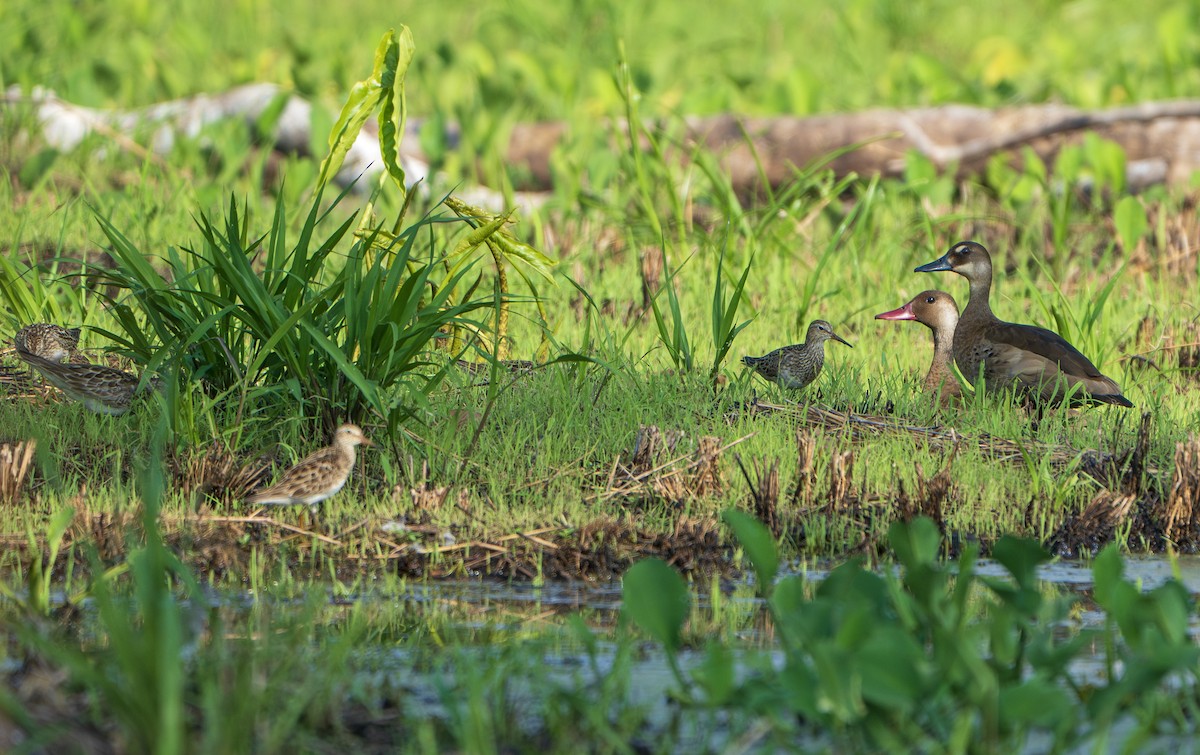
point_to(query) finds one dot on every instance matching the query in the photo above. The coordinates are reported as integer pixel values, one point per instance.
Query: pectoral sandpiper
(50, 342)
(798, 365)
(317, 476)
(102, 389)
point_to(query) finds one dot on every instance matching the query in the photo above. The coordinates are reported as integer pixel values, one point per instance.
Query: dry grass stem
(15, 461)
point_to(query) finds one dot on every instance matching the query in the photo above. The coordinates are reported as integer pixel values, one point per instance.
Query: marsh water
(602, 600)
(506, 612)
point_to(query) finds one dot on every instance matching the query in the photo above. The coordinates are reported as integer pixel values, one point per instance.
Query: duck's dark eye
(929, 300)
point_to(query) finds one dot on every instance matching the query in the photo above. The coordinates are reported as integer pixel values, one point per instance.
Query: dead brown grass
(1181, 511)
(15, 462)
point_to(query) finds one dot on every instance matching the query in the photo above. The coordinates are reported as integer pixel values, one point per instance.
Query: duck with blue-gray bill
(1038, 361)
(798, 365)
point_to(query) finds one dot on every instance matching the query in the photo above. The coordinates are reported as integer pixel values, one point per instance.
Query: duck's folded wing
(1042, 359)
(1046, 344)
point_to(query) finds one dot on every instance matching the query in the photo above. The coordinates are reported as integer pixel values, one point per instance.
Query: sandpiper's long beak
(903, 313)
(836, 337)
(940, 264)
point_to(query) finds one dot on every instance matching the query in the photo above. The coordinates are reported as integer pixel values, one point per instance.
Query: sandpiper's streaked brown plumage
(937, 311)
(53, 343)
(318, 475)
(1039, 361)
(798, 365)
(102, 389)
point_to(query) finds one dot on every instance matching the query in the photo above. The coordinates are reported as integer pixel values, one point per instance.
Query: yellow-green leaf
(394, 111)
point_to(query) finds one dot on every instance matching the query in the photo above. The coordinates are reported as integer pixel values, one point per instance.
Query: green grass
(540, 451)
(301, 661)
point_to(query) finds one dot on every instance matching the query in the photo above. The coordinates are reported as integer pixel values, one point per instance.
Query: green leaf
(1106, 574)
(1130, 219)
(657, 599)
(393, 112)
(1021, 557)
(35, 168)
(715, 674)
(1037, 702)
(890, 662)
(364, 97)
(759, 545)
(916, 542)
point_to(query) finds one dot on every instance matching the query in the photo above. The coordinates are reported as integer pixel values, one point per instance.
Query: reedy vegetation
(838, 249)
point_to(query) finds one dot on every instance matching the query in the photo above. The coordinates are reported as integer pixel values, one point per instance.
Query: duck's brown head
(935, 309)
(967, 258)
(819, 330)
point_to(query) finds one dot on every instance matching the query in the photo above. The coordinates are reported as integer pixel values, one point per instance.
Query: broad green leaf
(657, 599)
(1107, 572)
(759, 545)
(1036, 702)
(916, 542)
(1130, 219)
(715, 674)
(890, 662)
(1021, 557)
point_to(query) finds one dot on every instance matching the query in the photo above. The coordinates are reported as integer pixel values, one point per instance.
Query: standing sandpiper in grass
(50, 342)
(317, 476)
(798, 365)
(102, 389)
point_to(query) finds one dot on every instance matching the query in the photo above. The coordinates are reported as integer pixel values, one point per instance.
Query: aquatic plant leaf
(1021, 557)
(915, 542)
(789, 605)
(759, 545)
(1036, 702)
(1107, 570)
(890, 663)
(657, 599)
(839, 686)
(715, 674)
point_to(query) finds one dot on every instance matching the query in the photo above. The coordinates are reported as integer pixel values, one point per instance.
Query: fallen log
(1161, 140)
